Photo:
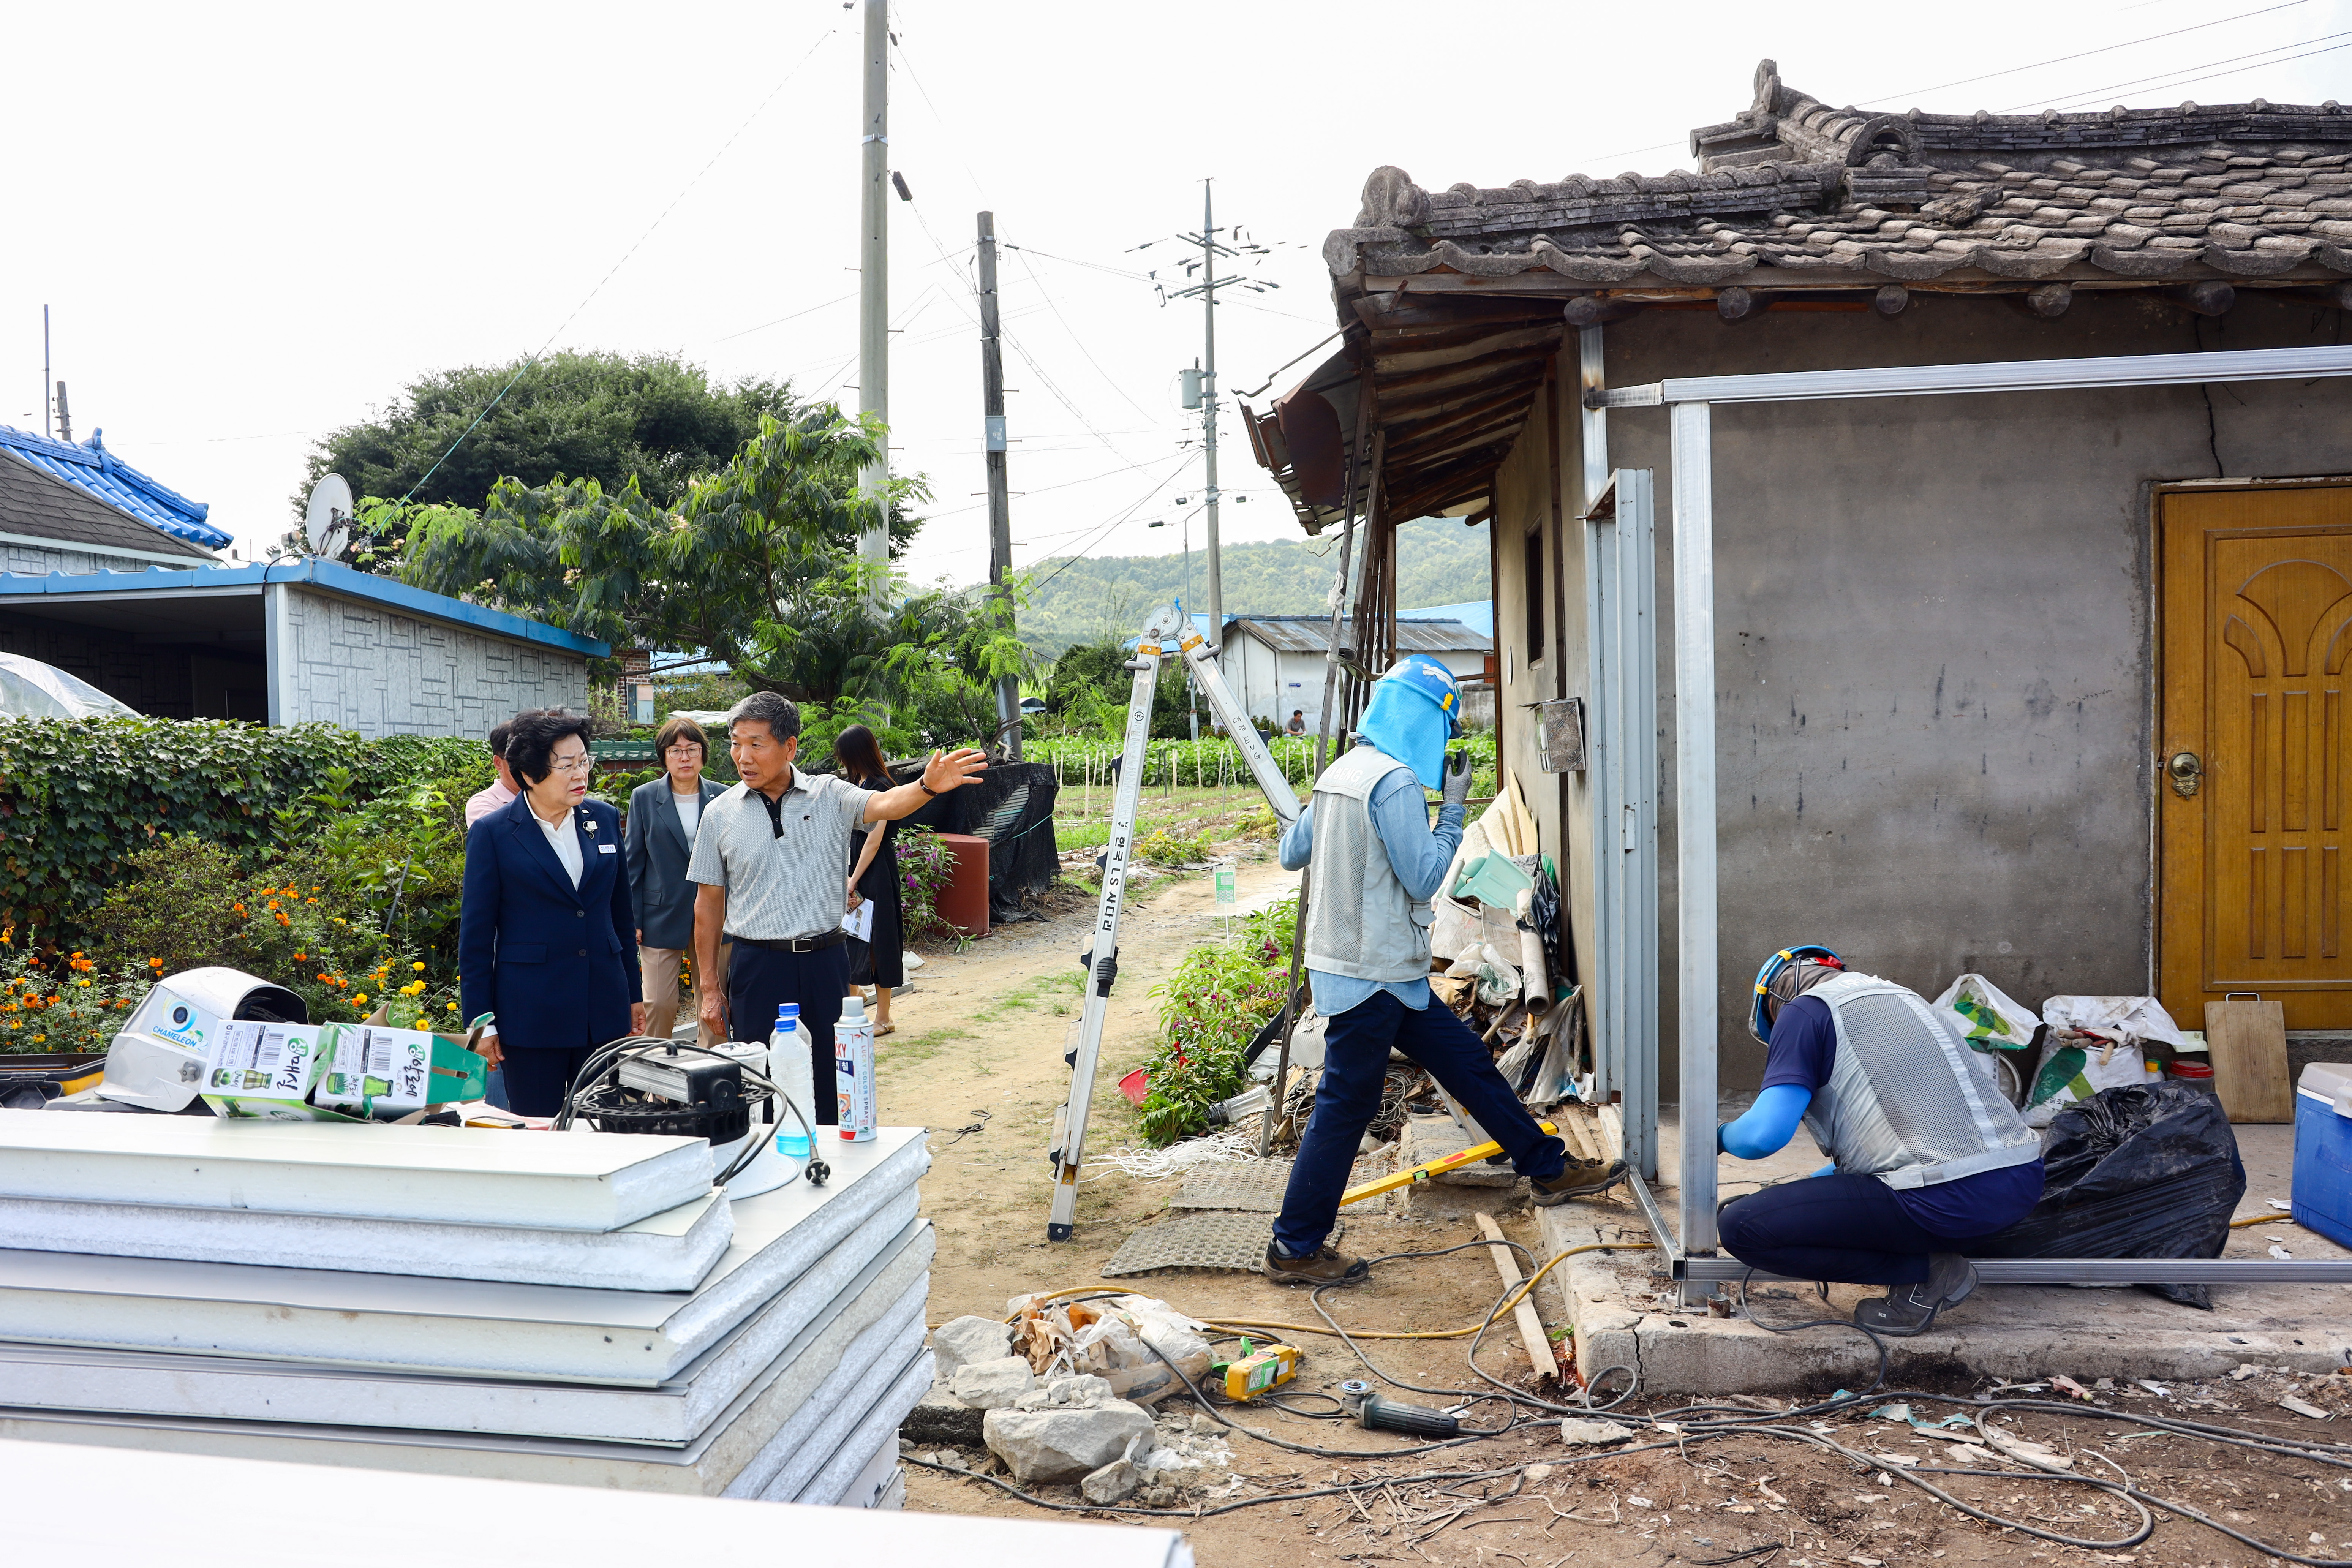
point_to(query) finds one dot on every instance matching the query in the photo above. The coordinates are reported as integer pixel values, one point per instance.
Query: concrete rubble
(993, 1385)
(1068, 1439)
(962, 1341)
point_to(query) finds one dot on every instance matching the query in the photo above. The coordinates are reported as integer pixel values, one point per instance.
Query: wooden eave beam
(1419, 433)
(1393, 307)
(1388, 367)
(1462, 370)
(1506, 436)
(1443, 401)
(1417, 442)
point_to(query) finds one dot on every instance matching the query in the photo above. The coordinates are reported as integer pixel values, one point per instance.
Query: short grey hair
(780, 714)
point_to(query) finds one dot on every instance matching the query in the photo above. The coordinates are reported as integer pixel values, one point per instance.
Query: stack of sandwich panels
(578, 1307)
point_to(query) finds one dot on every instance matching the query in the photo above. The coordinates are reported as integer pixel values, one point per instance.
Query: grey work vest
(1906, 1101)
(1359, 920)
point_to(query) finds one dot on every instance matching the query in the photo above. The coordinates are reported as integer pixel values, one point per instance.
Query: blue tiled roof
(91, 467)
(328, 575)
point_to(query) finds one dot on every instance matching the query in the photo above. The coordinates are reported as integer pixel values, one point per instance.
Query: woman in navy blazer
(545, 927)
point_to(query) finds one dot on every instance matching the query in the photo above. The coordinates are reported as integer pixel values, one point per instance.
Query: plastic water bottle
(853, 1071)
(788, 1064)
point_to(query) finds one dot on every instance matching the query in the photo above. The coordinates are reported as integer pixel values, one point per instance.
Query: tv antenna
(326, 523)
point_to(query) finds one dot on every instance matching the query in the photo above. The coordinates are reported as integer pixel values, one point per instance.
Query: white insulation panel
(148, 1383)
(882, 1321)
(408, 1323)
(669, 1251)
(451, 1176)
(611, 1529)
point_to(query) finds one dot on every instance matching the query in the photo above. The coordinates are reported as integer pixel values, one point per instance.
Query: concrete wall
(382, 673)
(1935, 649)
(40, 560)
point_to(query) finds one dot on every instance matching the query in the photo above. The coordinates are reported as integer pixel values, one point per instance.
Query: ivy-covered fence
(76, 795)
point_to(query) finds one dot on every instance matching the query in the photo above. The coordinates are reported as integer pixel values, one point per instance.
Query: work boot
(1327, 1265)
(1908, 1310)
(1582, 1179)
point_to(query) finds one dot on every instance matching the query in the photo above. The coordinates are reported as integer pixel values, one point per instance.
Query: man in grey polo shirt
(771, 860)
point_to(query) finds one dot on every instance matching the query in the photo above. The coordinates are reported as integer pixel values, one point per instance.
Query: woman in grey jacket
(664, 815)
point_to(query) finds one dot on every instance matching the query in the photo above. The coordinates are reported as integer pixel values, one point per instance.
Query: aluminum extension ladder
(1101, 957)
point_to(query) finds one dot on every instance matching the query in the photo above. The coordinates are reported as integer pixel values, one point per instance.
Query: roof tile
(2235, 184)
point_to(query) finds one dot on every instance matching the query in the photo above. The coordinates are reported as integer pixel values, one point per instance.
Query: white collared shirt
(564, 839)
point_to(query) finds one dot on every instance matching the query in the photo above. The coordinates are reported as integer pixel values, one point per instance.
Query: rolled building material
(1534, 973)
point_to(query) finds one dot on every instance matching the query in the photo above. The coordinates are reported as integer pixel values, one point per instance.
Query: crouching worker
(1927, 1155)
(1375, 864)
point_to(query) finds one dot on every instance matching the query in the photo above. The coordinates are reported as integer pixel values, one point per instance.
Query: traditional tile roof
(89, 466)
(1795, 193)
(36, 506)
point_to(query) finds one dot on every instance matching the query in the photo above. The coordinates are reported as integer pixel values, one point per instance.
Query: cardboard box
(377, 1071)
(384, 1073)
(265, 1070)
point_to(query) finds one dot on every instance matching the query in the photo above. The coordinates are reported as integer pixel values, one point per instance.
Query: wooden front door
(2255, 628)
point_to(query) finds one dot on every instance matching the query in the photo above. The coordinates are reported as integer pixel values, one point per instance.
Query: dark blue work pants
(1354, 1071)
(1846, 1228)
(764, 978)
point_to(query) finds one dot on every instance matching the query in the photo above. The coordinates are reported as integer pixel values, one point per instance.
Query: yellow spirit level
(1427, 1169)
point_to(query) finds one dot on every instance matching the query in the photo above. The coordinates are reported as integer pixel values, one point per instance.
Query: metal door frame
(1690, 403)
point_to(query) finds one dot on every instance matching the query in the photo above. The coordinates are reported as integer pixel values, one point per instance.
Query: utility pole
(873, 282)
(65, 417)
(1209, 410)
(1000, 498)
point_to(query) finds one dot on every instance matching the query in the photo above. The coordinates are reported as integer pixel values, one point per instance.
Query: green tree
(755, 567)
(608, 417)
(1090, 685)
(738, 551)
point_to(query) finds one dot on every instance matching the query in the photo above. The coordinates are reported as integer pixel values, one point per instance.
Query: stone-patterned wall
(40, 560)
(382, 673)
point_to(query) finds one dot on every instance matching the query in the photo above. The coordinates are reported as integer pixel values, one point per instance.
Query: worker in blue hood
(1374, 863)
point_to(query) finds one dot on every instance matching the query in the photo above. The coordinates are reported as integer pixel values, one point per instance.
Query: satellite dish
(327, 522)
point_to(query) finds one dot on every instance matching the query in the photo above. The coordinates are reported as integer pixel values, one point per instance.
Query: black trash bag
(2146, 1172)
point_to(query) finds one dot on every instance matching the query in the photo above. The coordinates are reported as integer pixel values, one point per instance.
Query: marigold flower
(359, 999)
(419, 966)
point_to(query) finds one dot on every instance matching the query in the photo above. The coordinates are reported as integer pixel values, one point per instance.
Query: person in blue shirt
(1365, 945)
(1926, 1153)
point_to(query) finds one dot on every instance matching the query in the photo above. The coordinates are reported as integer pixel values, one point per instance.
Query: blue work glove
(1458, 778)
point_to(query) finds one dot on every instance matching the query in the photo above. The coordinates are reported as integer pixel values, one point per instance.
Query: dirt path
(981, 1042)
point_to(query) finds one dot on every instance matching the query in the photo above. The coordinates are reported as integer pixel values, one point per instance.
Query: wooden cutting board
(2246, 1042)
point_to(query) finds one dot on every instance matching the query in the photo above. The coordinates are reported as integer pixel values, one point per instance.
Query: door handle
(2184, 772)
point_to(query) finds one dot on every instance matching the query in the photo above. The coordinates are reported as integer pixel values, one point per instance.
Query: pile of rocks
(1070, 1428)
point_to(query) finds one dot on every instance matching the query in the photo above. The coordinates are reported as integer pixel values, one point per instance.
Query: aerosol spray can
(852, 1071)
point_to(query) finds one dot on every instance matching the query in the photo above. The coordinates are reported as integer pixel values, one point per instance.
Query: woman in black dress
(874, 879)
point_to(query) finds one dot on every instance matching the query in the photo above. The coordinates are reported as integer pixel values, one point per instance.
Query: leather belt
(796, 944)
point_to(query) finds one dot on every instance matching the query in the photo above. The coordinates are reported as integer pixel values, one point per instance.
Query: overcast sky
(253, 223)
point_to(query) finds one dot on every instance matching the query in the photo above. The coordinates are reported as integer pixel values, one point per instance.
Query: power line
(1075, 339)
(1080, 553)
(2094, 94)
(780, 320)
(2086, 54)
(658, 218)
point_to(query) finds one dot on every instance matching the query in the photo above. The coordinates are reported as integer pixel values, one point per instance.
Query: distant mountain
(1439, 562)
